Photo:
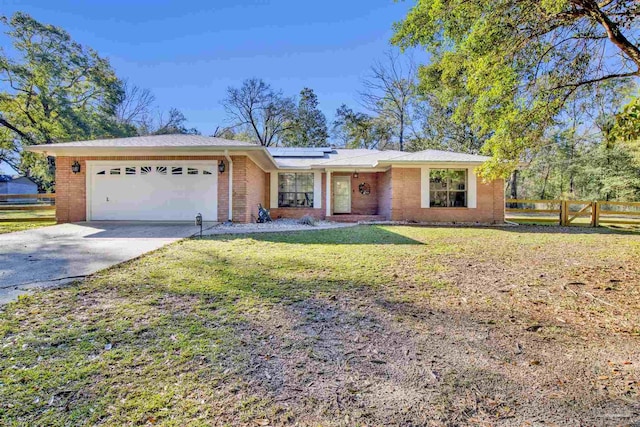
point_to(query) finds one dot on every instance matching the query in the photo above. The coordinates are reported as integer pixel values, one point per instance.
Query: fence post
(563, 212)
(595, 214)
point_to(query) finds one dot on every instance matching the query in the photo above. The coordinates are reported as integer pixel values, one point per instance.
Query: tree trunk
(513, 188)
(401, 132)
(544, 185)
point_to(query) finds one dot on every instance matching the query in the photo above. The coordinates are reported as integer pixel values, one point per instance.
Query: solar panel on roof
(313, 152)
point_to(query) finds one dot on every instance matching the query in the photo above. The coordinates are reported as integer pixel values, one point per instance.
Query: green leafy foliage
(511, 66)
(360, 130)
(52, 90)
(627, 125)
(309, 125)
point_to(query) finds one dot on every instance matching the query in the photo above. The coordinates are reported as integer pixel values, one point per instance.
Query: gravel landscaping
(274, 226)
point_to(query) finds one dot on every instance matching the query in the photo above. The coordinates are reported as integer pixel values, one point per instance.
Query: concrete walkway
(59, 254)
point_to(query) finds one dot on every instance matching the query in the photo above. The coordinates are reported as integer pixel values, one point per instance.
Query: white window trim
(317, 190)
(472, 187)
(273, 188)
(425, 203)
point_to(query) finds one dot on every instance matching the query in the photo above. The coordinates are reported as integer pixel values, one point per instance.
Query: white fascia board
(433, 165)
(355, 169)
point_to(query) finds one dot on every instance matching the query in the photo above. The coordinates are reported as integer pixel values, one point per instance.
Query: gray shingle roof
(157, 141)
(372, 158)
(283, 157)
(440, 156)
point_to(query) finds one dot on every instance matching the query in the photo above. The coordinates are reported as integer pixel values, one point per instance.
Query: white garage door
(167, 191)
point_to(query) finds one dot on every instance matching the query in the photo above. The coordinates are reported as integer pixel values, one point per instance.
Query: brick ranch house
(175, 177)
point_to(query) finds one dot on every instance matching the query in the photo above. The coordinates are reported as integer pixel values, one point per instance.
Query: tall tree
(174, 122)
(390, 91)
(309, 126)
(256, 107)
(432, 126)
(360, 130)
(518, 62)
(135, 106)
(52, 89)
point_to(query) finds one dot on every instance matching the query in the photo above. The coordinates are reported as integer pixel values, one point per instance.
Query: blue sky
(189, 52)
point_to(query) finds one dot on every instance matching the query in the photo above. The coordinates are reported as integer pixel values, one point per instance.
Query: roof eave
(422, 162)
(211, 150)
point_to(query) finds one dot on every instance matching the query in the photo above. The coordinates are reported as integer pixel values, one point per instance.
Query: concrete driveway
(56, 255)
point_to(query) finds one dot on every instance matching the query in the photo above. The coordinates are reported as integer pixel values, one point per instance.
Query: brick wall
(256, 190)
(405, 201)
(394, 194)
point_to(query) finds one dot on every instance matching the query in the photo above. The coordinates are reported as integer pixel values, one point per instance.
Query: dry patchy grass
(363, 326)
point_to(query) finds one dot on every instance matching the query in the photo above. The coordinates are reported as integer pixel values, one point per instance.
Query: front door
(342, 194)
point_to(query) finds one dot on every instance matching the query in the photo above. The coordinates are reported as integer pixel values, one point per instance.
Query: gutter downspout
(226, 155)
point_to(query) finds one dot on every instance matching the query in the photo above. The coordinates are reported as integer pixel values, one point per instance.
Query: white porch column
(328, 194)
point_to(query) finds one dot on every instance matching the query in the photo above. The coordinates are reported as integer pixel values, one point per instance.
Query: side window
(448, 188)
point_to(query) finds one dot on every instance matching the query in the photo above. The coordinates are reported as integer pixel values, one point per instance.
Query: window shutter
(273, 190)
(424, 187)
(317, 190)
(472, 190)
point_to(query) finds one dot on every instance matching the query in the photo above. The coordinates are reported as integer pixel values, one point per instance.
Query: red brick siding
(394, 194)
(256, 192)
(406, 201)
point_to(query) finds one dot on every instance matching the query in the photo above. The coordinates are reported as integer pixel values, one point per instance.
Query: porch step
(356, 218)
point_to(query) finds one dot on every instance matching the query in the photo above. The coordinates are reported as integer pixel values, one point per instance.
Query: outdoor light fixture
(221, 167)
(75, 167)
(355, 174)
(199, 222)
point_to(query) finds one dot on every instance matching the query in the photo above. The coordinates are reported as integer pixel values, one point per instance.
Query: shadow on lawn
(578, 229)
(359, 235)
(287, 339)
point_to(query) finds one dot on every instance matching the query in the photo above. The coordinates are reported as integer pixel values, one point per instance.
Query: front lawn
(10, 227)
(363, 326)
(28, 223)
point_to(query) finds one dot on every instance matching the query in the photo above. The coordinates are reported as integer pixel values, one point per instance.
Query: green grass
(174, 338)
(10, 227)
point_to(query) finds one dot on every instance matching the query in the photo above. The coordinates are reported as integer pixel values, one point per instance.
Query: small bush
(307, 220)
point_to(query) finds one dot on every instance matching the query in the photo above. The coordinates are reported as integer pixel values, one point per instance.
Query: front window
(448, 188)
(295, 190)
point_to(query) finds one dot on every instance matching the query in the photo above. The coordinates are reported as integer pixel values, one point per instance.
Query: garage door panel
(155, 192)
